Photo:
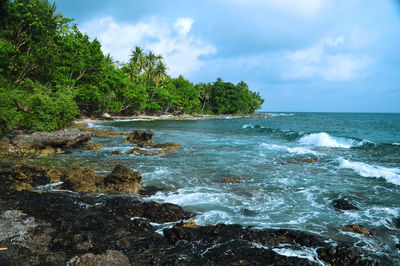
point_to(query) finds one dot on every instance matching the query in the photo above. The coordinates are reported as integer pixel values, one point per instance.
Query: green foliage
(36, 107)
(50, 72)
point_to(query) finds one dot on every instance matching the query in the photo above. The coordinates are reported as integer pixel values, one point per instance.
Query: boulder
(342, 204)
(141, 138)
(93, 147)
(117, 152)
(146, 152)
(122, 179)
(63, 138)
(81, 179)
(168, 147)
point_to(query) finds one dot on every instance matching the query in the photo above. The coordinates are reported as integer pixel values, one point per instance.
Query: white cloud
(180, 49)
(183, 26)
(304, 8)
(325, 60)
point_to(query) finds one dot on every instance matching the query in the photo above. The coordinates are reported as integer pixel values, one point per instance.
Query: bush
(35, 107)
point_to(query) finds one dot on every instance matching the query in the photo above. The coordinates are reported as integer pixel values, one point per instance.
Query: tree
(160, 72)
(136, 62)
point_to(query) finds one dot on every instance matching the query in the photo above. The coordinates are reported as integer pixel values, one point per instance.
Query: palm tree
(151, 59)
(138, 58)
(160, 72)
(243, 85)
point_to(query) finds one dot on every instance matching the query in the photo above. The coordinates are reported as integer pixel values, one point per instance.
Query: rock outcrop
(122, 179)
(85, 180)
(141, 138)
(342, 204)
(20, 145)
(74, 229)
(355, 228)
(63, 138)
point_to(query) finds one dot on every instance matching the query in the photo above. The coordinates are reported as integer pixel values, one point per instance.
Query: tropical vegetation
(50, 72)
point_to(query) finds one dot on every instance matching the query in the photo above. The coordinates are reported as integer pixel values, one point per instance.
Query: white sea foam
(295, 150)
(396, 144)
(248, 126)
(325, 140)
(282, 114)
(391, 175)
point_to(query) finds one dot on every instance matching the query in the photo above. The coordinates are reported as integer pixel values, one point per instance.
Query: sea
(284, 171)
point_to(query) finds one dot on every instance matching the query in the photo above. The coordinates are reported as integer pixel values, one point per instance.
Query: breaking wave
(391, 175)
(325, 140)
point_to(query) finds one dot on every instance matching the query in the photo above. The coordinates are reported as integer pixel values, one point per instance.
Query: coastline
(106, 117)
(182, 242)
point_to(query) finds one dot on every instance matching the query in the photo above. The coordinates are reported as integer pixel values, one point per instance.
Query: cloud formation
(180, 49)
(325, 60)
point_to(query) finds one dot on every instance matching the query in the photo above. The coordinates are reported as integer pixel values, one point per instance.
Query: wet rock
(59, 151)
(190, 224)
(98, 132)
(150, 190)
(343, 255)
(117, 152)
(342, 204)
(397, 223)
(141, 138)
(114, 228)
(110, 258)
(64, 138)
(146, 152)
(398, 246)
(168, 147)
(231, 180)
(47, 151)
(302, 160)
(93, 147)
(22, 177)
(122, 179)
(355, 228)
(81, 179)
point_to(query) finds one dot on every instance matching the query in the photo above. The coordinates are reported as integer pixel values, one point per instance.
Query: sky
(300, 55)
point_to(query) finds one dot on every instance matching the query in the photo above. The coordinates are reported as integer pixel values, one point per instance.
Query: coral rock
(355, 228)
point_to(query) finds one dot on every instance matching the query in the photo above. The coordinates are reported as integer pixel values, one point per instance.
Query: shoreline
(107, 117)
(140, 224)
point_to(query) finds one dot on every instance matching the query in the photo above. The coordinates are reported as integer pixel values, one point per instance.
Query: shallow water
(357, 158)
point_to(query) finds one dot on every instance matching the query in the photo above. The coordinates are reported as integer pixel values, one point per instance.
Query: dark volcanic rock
(342, 204)
(141, 138)
(397, 223)
(57, 228)
(63, 138)
(343, 255)
(111, 258)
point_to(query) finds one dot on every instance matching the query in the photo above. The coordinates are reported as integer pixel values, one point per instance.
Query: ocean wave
(396, 144)
(283, 114)
(295, 150)
(325, 140)
(391, 175)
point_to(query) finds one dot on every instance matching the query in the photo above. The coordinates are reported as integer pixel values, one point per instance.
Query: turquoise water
(357, 157)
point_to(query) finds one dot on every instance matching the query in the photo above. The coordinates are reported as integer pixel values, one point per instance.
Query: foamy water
(290, 168)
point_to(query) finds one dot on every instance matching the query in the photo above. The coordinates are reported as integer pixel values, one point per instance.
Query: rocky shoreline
(86, 218)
